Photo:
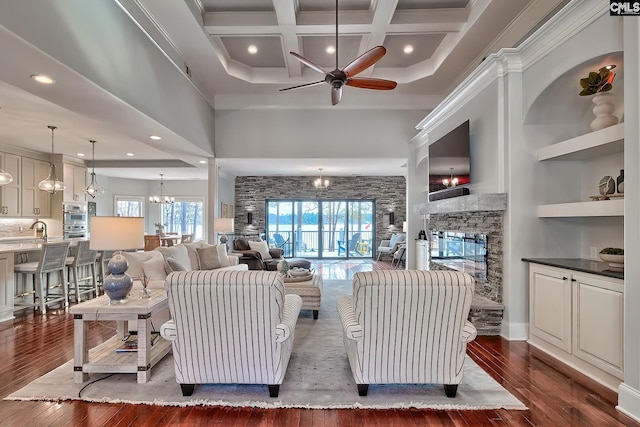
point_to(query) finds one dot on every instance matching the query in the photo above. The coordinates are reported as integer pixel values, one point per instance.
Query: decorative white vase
(603, 110)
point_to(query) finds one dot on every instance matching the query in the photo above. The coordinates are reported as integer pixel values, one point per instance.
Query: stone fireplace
(475, 214)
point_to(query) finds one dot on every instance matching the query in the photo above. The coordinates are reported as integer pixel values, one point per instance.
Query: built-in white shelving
(594, 208)
(602, 142)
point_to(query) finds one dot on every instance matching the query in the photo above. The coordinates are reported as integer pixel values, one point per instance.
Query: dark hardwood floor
(32, 345)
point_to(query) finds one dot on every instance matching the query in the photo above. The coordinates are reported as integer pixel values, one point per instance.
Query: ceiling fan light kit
(347, 76)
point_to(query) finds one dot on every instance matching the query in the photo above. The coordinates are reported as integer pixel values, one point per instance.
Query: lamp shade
(113, 233)
(223, 225)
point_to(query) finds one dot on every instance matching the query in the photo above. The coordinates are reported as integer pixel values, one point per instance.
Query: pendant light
(321, 183)
(51, 183)
(161, 198)
(94, 189)
(5, 177)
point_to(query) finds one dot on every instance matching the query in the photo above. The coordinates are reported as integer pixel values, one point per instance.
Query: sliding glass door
(344, 229)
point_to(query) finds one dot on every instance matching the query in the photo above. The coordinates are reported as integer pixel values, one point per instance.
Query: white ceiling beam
(418, 28)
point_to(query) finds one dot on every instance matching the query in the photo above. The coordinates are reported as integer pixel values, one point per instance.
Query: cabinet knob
(573, 280)
(564, 278)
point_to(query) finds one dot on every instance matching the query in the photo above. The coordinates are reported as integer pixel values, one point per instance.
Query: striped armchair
(407, 326)
(230, 327)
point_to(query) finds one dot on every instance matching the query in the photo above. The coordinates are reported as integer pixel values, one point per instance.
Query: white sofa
(230, 327)
(407, 326)
(153, 264)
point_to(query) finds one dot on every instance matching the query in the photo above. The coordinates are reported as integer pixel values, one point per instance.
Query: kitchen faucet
(44, 227)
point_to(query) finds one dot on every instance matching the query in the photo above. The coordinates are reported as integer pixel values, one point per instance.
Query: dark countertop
(579, 264)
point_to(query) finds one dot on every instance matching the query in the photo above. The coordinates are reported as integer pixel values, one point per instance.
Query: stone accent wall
(388, 192)
(485, 222)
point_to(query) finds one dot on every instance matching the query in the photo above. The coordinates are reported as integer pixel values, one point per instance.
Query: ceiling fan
(347, 76)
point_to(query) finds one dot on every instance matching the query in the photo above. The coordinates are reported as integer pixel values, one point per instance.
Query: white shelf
(603, 142)
(582, 209)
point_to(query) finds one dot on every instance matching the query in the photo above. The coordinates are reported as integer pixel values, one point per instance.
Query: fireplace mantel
(470, 203)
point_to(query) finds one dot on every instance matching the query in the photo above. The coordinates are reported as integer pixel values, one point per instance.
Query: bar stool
(53, 259)
(84, 258)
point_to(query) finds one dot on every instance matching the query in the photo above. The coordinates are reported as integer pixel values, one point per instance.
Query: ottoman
(272, 265)
(309, 290)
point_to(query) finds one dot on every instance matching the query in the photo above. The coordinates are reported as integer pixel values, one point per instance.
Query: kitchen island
(12, 251)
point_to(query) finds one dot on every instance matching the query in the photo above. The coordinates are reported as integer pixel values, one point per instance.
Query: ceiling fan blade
(372, 83)
(308, 63)
(336, 95)
(304, 85)
(364, 61)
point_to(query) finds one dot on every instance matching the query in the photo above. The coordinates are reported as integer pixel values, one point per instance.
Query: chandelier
(51, 183)
(319, 182)
(93, 189)
(450, 182)
(161, 198)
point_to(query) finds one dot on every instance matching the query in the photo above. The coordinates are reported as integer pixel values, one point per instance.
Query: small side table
(107, 360)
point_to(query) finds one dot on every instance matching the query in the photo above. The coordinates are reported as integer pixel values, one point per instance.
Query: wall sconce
(392, 218)
(249, 218)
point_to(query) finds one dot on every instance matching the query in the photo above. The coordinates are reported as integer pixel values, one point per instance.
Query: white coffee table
(107, 360)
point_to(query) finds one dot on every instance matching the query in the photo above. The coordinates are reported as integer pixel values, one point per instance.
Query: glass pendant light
(321, 183)
(51, 183)
(161, 198)
(5, 177)
(94, 189)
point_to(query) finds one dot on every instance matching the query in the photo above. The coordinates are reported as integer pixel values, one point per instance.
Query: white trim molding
(514, 331)
(629, 401)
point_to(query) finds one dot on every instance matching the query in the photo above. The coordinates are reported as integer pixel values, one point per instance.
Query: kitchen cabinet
(35, 202)
(75, 178)
(577, 317)
(10, 193)
(6, 286)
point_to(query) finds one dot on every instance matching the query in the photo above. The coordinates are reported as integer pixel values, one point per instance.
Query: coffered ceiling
(209, 41)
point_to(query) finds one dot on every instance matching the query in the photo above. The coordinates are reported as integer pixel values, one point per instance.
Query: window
(184, 217)
(128, 206)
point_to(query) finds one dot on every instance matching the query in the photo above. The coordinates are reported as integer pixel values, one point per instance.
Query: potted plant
(598, 84)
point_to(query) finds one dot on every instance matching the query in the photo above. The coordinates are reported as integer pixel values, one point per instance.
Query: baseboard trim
(512, 331)
(629, 402)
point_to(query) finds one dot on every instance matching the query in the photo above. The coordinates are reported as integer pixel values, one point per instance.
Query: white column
(629, 390)
(212, 207)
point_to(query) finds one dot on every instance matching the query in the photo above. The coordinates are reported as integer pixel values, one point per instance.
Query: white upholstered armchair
(230, 327)
(391, 246)
(407, 326)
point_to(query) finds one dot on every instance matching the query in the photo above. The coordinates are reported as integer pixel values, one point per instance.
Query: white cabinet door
(6, 286)
(598, 334)
(43, 198)
(10, 193)
(35, 202)
(79, 184)
(550, 305)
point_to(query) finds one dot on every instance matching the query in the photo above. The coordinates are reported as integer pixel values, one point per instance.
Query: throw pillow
(154, 269)
(212, 257)
(175, 265)
(135, 260)
(260, 247)
(179, 252)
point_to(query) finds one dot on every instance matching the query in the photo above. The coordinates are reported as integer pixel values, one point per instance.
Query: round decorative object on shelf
(118, 284)
(615, 261)
(620, 182)
(607, 185)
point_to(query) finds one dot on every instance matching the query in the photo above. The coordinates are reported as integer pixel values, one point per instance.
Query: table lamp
(223, 225)
(116, 233)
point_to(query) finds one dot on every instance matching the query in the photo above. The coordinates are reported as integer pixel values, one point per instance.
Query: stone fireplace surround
(476, 213)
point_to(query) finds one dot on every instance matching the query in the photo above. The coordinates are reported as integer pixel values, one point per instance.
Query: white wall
(330, 133)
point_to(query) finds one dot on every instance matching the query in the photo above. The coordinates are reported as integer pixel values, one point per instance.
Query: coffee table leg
(80, 349)
(144, 348)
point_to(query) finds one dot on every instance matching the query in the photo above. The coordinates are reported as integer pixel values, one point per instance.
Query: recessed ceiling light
(130, 154)
(203, 161)
(44, 79)
(155, 137)
(80, 154)
(331, 49)
(408, 49)
(252, 49)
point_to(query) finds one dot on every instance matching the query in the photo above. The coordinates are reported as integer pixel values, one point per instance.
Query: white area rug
(318, 377)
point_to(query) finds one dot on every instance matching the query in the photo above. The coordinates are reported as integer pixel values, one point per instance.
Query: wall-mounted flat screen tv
(449, 157)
